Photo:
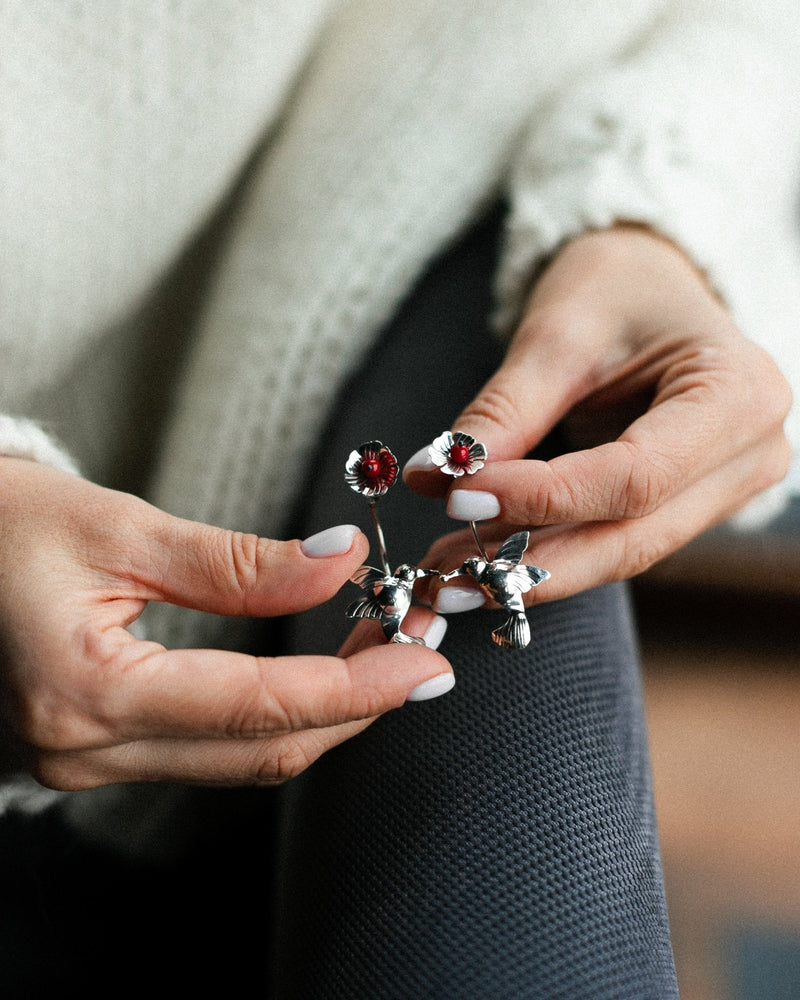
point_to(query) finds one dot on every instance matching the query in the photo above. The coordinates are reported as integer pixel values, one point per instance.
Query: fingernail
(472, 505)
(330, 542)
(432, 688)
(434, 633)
(420, 461)
(451, 600)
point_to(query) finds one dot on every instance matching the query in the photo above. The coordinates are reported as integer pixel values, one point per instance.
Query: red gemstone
(371, 468)
(459, 454)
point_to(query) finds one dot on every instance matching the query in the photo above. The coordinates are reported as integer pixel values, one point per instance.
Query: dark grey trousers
(498, 842)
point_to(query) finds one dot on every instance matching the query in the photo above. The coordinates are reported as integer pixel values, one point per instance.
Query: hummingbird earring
(371, 470)
(503, 579)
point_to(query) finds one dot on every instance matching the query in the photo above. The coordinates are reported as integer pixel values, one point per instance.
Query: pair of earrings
(372, 470)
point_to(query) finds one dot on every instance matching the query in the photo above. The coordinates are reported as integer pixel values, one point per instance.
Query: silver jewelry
(387, 595)
(387, 598)
(371, 470)
(503, 578)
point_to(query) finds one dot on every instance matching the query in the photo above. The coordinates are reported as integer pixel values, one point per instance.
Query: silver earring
(371, 470)
(504, 579)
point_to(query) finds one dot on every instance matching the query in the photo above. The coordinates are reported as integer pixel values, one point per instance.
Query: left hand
(678, 418)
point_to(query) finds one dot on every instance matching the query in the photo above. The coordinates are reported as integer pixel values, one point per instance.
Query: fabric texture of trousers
(497, 842)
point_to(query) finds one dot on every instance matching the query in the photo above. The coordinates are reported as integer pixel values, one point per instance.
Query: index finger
(672, 446)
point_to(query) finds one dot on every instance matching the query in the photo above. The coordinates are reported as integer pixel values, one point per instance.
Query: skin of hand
(85, 703)
(676, 418)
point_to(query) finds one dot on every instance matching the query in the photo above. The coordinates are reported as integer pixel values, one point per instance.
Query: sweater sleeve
(695, 131)
(23, 438)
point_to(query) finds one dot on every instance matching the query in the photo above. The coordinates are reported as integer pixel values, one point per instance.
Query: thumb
(530, 392)
(232, 573)
(519, 404)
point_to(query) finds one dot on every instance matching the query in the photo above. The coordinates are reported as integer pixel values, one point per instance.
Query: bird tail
(515, 633)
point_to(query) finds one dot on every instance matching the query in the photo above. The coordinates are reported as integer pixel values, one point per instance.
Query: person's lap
(498, 841)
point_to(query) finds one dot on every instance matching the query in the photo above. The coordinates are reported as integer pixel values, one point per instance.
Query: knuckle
(76, 710)
(640, 552)
(494, 405)
(242, 559)
(775, 465)
(262, 711)
(46, 724)
(544, 498)
(642, 486)
(770, 394)
(287, 760)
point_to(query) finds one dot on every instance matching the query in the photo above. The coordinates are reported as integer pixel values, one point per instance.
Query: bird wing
(368, 606)
(513, 548)
(526, 577)
(537, 574)
(365, 607)
(367, 577)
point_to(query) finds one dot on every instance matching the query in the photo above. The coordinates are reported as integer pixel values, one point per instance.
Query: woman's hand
(676, 416)
(84, 703)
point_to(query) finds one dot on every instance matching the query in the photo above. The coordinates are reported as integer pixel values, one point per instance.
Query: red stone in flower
(457, 454)
(371, 469)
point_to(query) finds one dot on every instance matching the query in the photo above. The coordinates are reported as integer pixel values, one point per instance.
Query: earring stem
(478, 541)
(381, 541)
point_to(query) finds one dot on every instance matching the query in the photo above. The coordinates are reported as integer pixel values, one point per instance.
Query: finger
(204, 762)
(703, 417)
(231, 573)
(542, 376)
(589, 554)
(221, 695)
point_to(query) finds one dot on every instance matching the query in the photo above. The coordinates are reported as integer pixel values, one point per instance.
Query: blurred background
(720, 633)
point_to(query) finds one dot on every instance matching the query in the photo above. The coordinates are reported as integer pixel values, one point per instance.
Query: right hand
(84, 703)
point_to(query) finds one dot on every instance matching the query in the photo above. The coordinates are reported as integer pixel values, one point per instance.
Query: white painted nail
(434, 633)
(330, 542)
(472, 505)
(432, 688)
(452, 600)
(420, 461)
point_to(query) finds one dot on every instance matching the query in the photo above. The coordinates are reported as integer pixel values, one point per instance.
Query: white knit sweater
(372, 131)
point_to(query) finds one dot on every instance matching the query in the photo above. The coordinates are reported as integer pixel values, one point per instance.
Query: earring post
(478, 541)
(381, 540)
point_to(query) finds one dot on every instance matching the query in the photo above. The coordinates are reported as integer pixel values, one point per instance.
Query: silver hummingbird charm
(504, 579)
(371, 470)
(387, 598)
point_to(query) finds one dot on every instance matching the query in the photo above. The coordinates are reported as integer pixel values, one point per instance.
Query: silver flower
(457, 454)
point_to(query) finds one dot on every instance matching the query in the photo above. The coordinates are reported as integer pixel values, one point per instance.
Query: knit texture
(21, 438)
